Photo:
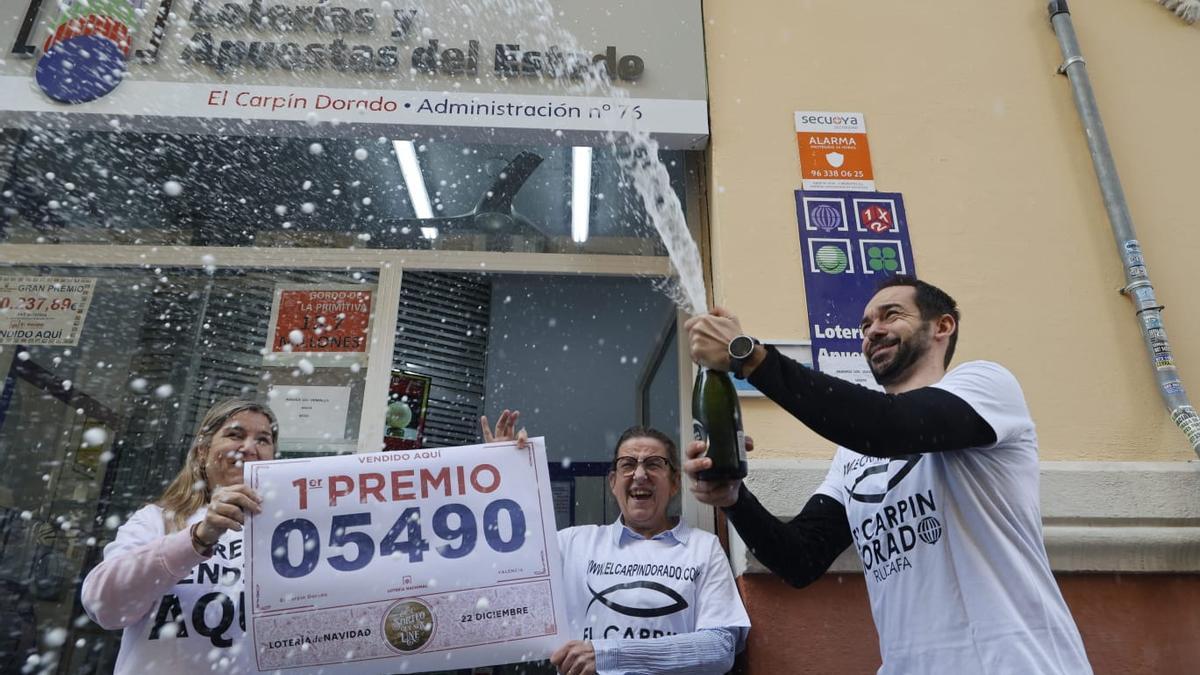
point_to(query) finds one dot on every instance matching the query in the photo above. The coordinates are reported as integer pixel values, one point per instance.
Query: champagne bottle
(717, 418)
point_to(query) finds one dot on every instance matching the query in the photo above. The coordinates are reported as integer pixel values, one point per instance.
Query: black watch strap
(737, 363)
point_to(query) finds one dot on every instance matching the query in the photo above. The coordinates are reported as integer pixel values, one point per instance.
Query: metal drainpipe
(1137, 278)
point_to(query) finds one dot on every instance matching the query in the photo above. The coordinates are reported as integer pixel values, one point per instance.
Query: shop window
(91, 431)
(442, 333)
(96, 187)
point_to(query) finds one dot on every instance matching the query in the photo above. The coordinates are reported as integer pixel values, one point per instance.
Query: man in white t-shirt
(934, 483)
(645, 594)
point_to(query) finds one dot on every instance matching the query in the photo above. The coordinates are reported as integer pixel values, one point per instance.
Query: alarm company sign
(834, 154)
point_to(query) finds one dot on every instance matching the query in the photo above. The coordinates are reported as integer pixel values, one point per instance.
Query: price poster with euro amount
(404, 561)
(44, 310)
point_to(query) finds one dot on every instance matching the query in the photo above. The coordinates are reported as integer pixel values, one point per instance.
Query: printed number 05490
(404, 537)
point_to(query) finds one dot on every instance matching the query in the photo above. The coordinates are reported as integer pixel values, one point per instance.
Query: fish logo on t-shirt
(872, 497)
(679, 604)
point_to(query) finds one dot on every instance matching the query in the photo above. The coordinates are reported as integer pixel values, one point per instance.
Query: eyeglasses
(627, 466)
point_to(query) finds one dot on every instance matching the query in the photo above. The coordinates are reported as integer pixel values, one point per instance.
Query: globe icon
(831, 259)
(929, 530)
(399, 416)
(825, 217)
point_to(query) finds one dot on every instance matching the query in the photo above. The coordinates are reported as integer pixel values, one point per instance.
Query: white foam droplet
(55, 637)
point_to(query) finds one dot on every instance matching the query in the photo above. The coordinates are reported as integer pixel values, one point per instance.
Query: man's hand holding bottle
(713, 492)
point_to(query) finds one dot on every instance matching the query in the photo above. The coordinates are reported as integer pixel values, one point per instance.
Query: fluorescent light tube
(581, 192)
(410, 168)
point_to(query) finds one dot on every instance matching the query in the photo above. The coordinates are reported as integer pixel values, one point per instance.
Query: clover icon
(882, 259)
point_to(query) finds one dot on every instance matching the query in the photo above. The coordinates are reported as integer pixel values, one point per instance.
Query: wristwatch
(740, 349)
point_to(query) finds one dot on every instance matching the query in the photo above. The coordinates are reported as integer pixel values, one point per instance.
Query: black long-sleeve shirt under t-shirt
(860, 419)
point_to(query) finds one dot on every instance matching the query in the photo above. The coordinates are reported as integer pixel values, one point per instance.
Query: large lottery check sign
(404, 561)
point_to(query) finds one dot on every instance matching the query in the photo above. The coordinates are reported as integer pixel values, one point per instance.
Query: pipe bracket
(1134, 285)
(1062, 70)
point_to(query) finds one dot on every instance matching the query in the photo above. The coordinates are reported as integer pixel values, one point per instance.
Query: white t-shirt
(198, 626)
(952, 550)
(620, 586)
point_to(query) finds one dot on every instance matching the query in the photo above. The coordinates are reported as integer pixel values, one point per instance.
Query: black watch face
(741, 347)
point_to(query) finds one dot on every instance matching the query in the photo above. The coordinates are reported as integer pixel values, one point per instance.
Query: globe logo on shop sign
(831, 260)
(85, 57)
(825, 217)
(929, 530)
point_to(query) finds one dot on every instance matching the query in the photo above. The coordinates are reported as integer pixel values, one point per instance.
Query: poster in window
(331, 321)
(44, 310)
(93, 442)
(408, 401)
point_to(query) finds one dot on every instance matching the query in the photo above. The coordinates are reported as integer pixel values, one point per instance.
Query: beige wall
(969, 121)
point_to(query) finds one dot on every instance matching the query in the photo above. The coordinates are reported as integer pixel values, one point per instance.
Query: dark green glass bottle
(717, 418)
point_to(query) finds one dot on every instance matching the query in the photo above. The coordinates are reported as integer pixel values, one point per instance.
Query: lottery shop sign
(321, 319)
(404, 561)
(850, 242)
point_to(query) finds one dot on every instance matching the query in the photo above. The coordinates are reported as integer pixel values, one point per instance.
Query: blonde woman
(172, 578)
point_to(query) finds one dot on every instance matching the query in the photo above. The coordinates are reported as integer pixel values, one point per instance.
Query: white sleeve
(720, 604)
(138, 566)
(993, 392)
(564, 542)
(144, 526)
(832, 485)
(702, 652)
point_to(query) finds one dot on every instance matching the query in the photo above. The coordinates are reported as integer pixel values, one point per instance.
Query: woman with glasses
(647, 593)
(172, 578)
